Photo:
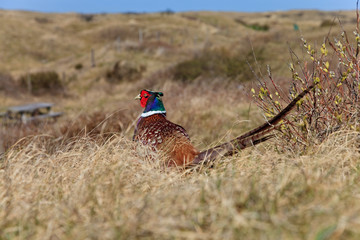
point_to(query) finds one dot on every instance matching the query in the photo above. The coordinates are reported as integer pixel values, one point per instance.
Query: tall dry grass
(107, 191)
(89, 181)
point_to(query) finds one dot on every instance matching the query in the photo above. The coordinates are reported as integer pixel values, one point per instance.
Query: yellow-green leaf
(327, 65)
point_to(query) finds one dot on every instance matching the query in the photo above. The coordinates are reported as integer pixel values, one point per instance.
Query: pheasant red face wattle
(144, 96)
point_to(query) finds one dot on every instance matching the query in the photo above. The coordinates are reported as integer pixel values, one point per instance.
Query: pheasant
(172, 140)
(155, 130)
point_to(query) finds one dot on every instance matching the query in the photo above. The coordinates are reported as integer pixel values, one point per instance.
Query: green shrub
(42, 82)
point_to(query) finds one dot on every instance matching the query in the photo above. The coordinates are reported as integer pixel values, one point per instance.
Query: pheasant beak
(137, 97)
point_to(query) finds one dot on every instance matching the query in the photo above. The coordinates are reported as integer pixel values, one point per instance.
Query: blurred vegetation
(254, 26)
(78, 66)
(97, 126)
(81, 179)
(219, 63)
(42, 20)
(87, 17)
(112, 33)
(8, 85)
(331, 106)
(42, 82)
(328, 23)
(167, 11)
(124, 71)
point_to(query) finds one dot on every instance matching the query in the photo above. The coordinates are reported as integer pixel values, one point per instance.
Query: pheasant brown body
(172, 141)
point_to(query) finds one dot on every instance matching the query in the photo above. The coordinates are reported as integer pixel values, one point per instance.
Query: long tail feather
(250, 138)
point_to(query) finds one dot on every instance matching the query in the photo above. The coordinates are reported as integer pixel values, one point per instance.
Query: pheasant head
(152, 103)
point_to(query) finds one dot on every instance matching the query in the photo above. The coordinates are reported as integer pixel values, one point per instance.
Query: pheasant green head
(152, 103)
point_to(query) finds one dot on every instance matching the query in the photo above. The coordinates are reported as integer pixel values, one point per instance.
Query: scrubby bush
(259, 27)
(42, 20)
(218, 63)
(42, 82)
(255, 26)
(190, 69)
(327, 23)
(7, 84)
(78, 66)
(124, 71)
(167, 12)
(334, 102)
(87, 17)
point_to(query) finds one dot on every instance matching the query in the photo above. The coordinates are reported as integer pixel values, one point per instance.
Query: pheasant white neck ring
(149, 113)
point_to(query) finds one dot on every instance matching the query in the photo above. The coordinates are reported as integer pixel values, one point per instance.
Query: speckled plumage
(162, 135)
(155, 129)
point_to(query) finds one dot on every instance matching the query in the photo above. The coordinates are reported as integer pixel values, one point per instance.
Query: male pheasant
(154, 130)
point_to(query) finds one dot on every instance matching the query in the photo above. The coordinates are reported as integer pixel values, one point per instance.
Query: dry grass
(85, 188)
(106, 191)
(83, 178)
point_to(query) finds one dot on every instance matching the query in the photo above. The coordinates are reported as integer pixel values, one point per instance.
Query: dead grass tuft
(84, 179)
(97, 126)
(106, 191)
(124, 71)
(44, 82)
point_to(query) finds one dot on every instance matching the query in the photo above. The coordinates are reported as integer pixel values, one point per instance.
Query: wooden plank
(44, 116)
(29, 107)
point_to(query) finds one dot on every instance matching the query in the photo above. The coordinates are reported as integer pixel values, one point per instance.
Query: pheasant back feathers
(154, 130)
